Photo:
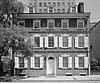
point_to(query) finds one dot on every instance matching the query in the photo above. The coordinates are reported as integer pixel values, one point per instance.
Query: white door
(50, 66)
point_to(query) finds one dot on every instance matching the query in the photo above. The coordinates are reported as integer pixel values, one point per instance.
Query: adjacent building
(62, 42)
(95, 40)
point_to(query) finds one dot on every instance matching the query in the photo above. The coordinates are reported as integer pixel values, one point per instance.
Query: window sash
(65, 62)
(21, 62)
(50, 41)
(30, 9)
(37, 62)
(50, 24)
(65, 24)
(81, 61)
(81, 41)
(37, 24)
(80, 24)
(65, 41)
(37, 41)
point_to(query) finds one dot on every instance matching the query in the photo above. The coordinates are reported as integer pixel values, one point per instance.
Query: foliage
(94, 64)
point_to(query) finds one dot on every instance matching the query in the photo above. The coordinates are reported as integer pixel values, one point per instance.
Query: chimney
(81, 7)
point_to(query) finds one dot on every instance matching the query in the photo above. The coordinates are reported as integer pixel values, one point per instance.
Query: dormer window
(30, 9)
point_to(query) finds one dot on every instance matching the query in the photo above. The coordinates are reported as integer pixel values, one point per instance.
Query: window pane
(81, 41)
(65, 61)
(36, 25)
(51, 41)
(37, 62)
(37, 41)
(80, 25)
(28, 23)
(51, 24)
(81, 61)
(65, 41)
(73, 23)
(21, 62)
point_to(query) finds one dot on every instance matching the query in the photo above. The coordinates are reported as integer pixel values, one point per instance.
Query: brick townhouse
(62, 44)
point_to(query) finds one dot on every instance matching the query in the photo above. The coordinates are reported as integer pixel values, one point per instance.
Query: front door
(51, 66)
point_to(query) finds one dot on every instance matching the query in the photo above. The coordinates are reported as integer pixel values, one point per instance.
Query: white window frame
(21, 21)
(48, 42)
(83, 63)
(65, 20)
(34, 24)
(67, 62)
(78, 23)
(62, 41)
(51, 20)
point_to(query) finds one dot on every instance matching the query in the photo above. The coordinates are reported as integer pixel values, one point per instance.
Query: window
(21, 23)
(63, 3)
(57, 22)
(80, 24)
(28, 23)
(58, 4)
(73, 23)
(30, 9)
(73, 9)
(40, 4)
(54, 4)
(81, 41)
(45, 10)
(50, 24)
(65, 41)
(21, 62)
(40, 10)
(50, 41)
(44, 4)
(37, 62)
(37, 41)
(58, 10)
(43, 22)
(36, 24)
(65, 24)
(63, 10)
(65, 61)
(81, 61)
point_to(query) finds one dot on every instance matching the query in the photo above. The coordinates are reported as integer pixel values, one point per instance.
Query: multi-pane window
(36, 24)
(37, 41)
(58, 4)
(81, 41)
(58, 10)
(28, 23)
(50, 24)
(80, 24)
(81, 61)
(50, 41)
(65, 24)
(45, 4)
(21, 62)
(30, 9)
(65, 41)
(63, 10)
(65, 61)
(40, 10)
(37, 62)
(73, 9)
(73, 23)
(21, 23)
(40, 4)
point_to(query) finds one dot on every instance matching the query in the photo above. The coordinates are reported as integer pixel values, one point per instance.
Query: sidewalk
(62, 78)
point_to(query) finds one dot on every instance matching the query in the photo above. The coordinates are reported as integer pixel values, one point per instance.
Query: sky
(92, 6)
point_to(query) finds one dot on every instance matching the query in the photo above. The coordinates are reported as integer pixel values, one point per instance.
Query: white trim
(50, 35)
(50, 20)
(34, 24)
(36, 35)
(21, 21)
(81, 34)
(64, 20)
(65, 55)
(80, 20)
(81, 55)
(63, 35)
(36, 55)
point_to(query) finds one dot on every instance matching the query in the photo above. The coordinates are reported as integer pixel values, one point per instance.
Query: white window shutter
(69, 41)
(41, 41)
(76, 41)
(31, 62)
(69, 62)
(86, 62)
(16, 62)
(76, 62)
(55, 42)
(25, 63)
(60, 62)
(86, 41)
(46, 41)
(41, 62)
(60, 42)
